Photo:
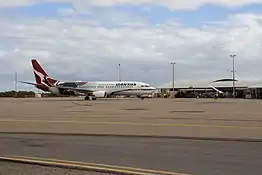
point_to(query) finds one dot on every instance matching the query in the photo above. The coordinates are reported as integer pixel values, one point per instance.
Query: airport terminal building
(201, 88)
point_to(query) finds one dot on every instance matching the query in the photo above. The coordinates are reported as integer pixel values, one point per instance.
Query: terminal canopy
(224, 80)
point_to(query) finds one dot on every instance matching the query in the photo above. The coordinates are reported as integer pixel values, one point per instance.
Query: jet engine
(100, 94)
(58, 91)
(68, 92)
(54, 90)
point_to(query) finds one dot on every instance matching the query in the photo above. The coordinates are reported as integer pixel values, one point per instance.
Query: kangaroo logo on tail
(41, 77)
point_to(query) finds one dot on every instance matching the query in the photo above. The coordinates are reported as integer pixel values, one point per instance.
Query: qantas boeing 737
(91, 89)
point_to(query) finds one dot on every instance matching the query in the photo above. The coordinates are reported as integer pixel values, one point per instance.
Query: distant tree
(19, 94)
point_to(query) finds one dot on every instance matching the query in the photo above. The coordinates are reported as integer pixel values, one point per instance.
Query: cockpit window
(146, 85)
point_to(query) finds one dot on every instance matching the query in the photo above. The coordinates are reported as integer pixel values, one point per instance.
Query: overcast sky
(87, 39)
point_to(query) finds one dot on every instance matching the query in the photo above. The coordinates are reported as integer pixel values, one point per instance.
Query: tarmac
(23, 169)
(180, 156)
(194, 136)
(208, 118)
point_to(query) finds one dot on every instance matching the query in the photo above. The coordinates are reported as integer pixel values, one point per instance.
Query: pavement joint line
(198, 138)
(135, 124)
(84, 165)
(100, 165)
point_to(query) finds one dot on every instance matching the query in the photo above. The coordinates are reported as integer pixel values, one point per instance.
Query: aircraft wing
(79, 89)
(84, 90)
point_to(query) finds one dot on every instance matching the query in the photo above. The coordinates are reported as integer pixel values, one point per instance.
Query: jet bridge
(211, 84)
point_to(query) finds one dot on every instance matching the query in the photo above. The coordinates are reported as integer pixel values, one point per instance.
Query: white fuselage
(119, 87)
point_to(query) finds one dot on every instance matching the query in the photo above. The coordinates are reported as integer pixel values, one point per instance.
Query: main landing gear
(142, 98)
(90, 97)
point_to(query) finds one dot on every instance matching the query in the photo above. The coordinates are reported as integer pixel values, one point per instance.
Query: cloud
(178, 4)
(17, 3)
(66, 11)
(90, 49)
(81, 5)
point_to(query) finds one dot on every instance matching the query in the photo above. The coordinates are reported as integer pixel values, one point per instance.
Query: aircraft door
(140, 91)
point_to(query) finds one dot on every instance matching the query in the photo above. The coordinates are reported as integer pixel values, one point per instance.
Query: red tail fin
(41, 77)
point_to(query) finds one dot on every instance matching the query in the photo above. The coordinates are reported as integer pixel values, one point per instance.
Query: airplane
(90, 89)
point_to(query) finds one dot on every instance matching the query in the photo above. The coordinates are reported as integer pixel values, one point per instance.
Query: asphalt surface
(163, 117)
(198, 157)
(7, 168)
(192, 118)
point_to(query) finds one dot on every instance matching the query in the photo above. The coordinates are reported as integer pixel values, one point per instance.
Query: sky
(87, 39)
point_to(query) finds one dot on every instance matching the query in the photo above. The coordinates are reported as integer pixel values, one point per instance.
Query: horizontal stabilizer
(34, 84)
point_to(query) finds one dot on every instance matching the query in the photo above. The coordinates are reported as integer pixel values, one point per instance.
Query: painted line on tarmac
(199, 138)
(86, 165)
(68, 166)
(132, 124)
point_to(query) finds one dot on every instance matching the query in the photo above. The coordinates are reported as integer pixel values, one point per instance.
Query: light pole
(119, 72)
(173, 74)
(15, 84)
(233, 74)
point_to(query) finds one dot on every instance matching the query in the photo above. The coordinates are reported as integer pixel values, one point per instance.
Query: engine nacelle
(54, 90)
(68, 92)
(100, 94)
(58, 91)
